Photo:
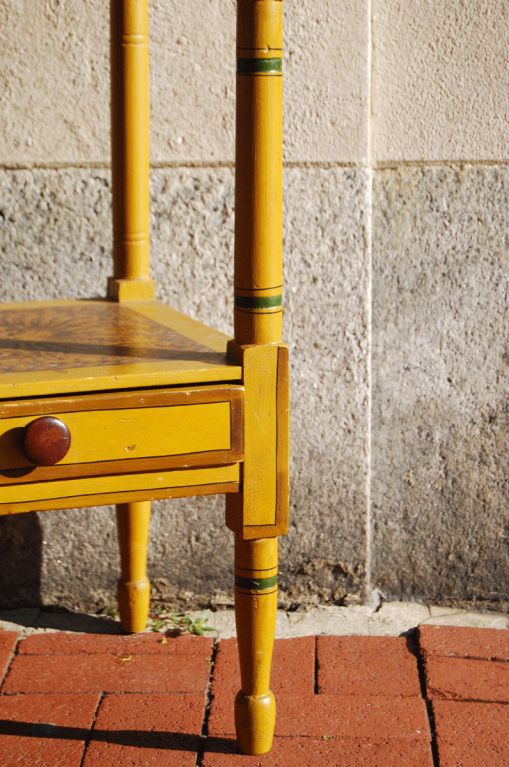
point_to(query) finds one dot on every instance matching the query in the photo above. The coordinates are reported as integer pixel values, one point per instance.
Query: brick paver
(467, 679)
(381, 666)
(461, 642)
(108, 673)
(96, 644)
(146, 730)
(472, 734)
(45, 730)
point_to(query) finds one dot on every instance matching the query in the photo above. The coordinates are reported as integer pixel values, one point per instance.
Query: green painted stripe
(258, 302)
(255, 584)
(259, 66)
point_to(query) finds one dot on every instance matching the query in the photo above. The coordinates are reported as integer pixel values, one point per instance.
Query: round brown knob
(46, 440)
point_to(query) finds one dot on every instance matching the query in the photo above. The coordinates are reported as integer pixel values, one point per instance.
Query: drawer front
(109, 435)
(128, 431)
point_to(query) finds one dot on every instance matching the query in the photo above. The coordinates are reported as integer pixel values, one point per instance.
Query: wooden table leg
(133, 586)
(255, 613)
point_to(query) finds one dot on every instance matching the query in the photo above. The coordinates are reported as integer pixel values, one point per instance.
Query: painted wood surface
(261, 510)
(64, 346)
(130, 115)
(113, 424)
(132, 496)
(133, 590)
(258, 176)
(142, 486)
(256, 568)
(117, 400)
(109, 435)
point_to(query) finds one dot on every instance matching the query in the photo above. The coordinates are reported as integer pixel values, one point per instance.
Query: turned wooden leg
(255, 614)
(133, 586)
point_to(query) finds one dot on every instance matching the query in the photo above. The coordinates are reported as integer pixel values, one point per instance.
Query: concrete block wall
(396, 221)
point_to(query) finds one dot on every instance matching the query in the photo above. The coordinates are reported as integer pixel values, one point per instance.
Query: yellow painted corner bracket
(261, 509)
(130, 290)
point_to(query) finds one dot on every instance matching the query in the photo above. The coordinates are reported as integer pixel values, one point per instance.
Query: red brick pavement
(439, 699)
(467, 677)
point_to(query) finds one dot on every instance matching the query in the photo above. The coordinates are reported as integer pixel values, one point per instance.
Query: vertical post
(258, 180)
(253, 514)
(130, 106)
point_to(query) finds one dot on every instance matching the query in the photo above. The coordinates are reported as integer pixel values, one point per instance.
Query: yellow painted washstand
(124, 400)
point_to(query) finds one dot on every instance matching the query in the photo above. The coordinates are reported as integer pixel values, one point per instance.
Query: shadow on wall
(20, 560)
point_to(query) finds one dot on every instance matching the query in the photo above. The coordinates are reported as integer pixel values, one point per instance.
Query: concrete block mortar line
(75, 165)
(180, 165)
(370, 165)
(92, 728)
(420, 163)
(369, 592)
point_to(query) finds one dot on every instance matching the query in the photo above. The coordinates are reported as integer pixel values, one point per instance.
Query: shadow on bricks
(171, 741)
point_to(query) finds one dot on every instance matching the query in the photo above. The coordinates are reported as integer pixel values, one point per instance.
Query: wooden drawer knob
(46, 440)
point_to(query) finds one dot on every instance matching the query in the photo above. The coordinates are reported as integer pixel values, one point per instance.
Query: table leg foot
(255, 613)
(255, 718)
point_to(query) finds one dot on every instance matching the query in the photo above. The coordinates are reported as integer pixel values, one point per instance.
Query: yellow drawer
(125, 446)
(127, 431)
(109, 435)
